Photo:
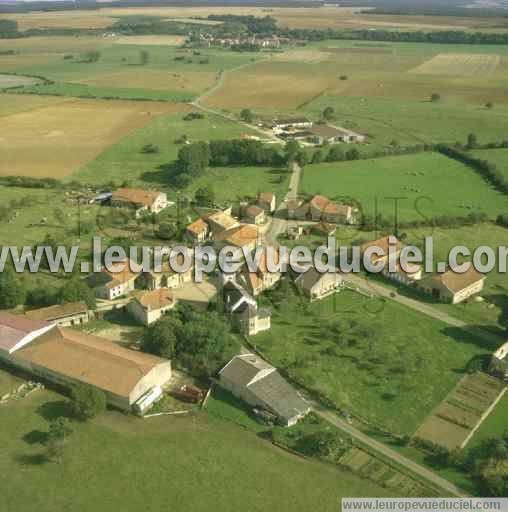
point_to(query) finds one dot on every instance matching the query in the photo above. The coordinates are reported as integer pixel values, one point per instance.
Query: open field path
(415, 468)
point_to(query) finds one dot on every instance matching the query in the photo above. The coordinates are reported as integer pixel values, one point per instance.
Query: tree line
(488, 170)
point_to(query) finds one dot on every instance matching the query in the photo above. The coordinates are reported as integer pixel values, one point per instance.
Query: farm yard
(424, 180)
(356, 351)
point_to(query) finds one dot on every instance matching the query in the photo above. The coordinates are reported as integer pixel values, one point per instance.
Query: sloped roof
(240, 235)
(121, 273)
(253, 211)
(14, 328)
(199, 226)
(156, 299)
(382, 243)
(135, 196)
(310, 278)
(89, 359)
(456, 282)
(57, 311)
(265, 197)
(223, 219)
(242, 369)
(279, 396)
(319, 202)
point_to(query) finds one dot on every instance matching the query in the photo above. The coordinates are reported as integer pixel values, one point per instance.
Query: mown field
(428, 184)
(189, 462)
(375, 367)
(57, 139)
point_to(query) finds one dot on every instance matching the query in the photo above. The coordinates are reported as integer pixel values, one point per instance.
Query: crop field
(376, 373)
(56, 140)
(7, 81)
(452, 421)
(151, 40)
(459, 64)
(499, 157)
(422, 181)
(367, 466)
(208, 453)
(318, 18)
(193, 81)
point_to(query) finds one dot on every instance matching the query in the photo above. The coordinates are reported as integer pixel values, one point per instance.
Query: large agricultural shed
(66, 357)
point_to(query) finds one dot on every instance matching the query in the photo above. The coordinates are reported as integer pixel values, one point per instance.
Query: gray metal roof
(279, 396)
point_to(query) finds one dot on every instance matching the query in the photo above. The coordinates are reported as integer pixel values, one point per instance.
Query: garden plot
(459, 64)
(453, 420)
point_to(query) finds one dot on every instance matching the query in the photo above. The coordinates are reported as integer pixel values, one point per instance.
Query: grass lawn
(8, 382)
(378, 364)
(498, 157)
(423, 182)
(119, 462)
(125, 161)
(496, 424)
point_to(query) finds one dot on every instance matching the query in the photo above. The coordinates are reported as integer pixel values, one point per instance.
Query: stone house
(453, 287)
(316, 285)
(150, 306)
(140, 200)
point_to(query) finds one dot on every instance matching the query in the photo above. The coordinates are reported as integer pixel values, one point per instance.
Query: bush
(87, 402)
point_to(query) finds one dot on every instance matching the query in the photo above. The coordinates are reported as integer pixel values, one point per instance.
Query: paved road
(421, 471)
(279, 224)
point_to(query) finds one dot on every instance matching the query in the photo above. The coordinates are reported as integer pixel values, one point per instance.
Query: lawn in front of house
(369, 356)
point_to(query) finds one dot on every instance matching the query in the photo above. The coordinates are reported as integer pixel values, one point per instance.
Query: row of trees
(199, 342)
(13, 292)
(488, 170)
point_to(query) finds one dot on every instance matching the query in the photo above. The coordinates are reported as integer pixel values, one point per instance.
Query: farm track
(428, 475)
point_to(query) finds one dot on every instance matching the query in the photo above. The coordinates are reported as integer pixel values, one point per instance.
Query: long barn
(67, 357)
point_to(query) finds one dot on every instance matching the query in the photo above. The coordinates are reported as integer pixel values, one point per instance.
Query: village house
(167, 277)
(261, 280)
(67, 357)
(254, 215)
(499, 362)
(260, 385)
(197, 231)
(243, 310)
(294, 232)
(221, 221)
(409, 276)
(453, 287)
(64, 315)
(266, 201)
(150, 306)
(244, 237)
(140, 200)
(383, 245)
(320, 208)
(115, 283)
(292, 206)
(317, 285)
